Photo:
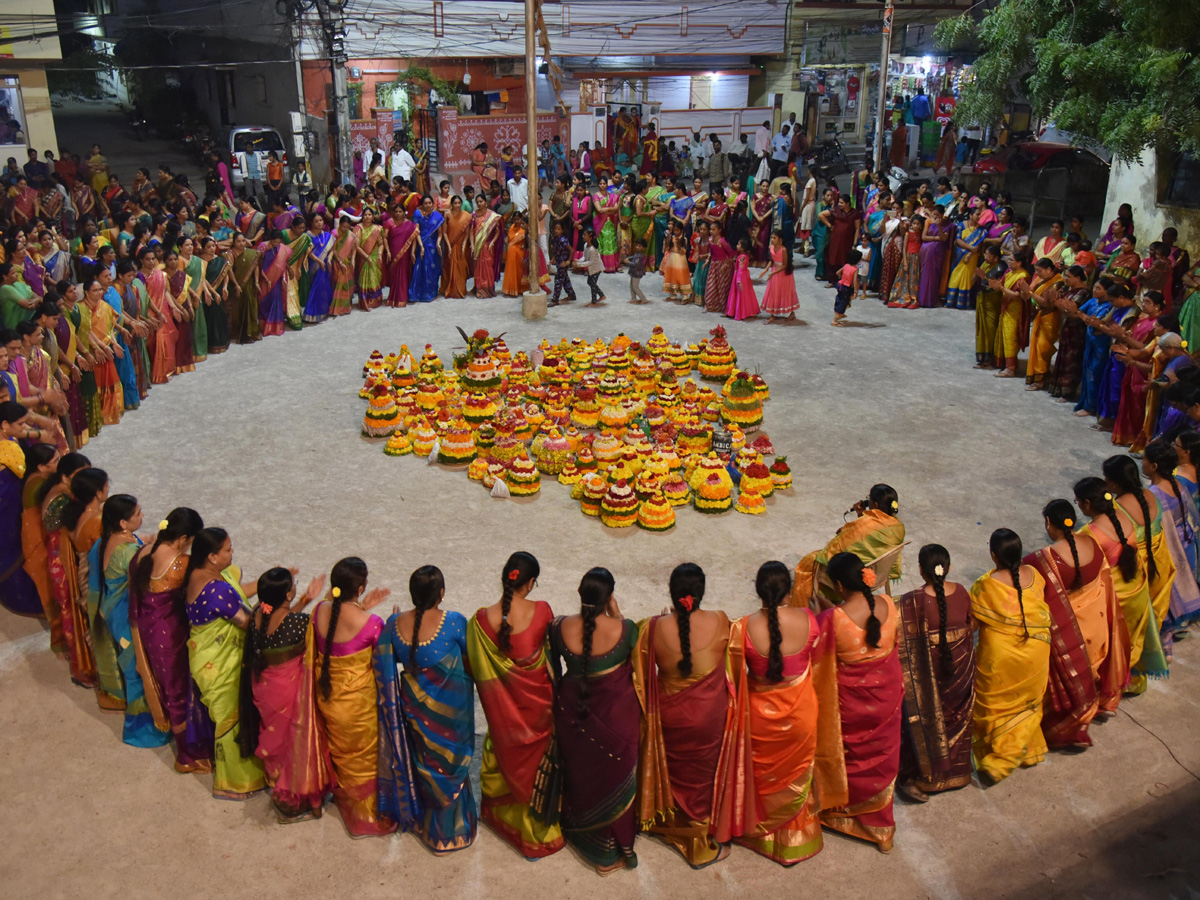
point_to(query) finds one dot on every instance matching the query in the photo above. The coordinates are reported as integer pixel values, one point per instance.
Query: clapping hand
(375, 597)
(314, 589)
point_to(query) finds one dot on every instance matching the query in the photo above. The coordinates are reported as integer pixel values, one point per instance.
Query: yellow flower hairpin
(1068, 522)
(1108, 496)
(162, 526)
(337, 592)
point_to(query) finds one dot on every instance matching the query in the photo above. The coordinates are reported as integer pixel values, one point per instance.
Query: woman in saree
(18, 592)
(641, 222)
(161, 343)
(936, 642)
(427, 711)
(159, 625)
(341, 256)
(483, 239)
(1051, 247)
(699, 259)
(83, 199)
(895, 233)
(277, 708)
(843, 222)
(516, 276)
(63, 569)
(455, 269)
(1012, 333)
(722, 260)
(217, 272)
(403, 245)
(1068, 362)
(101, 321)
(856, 669)
(1089, 644)
(345, 635)
(73, 363)
(1134, 350)
(506, 649)
(272, 274)
(597, 724)
(243, 291)
(874, 221)
(679, 675)
(1178, 502)
(875, 532)
(1047, 321)
(427, 270)
(1189, 312)
(24, 202)
(298, 247)
(934, 241)
(762, 213)
(370, 251)
(964, 263)
(185, 359)
(581, 219)
(1124, 263)
(1013, 662)
(193, 267)
(108, 577)
(766, 797)
(660, 202)
(604, 223)
(217, 617)
(122, 333)
(41, 461)
(820, 234)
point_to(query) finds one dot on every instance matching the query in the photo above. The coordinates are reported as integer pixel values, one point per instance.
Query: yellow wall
(20, 59)
(41, 13)
(39, 120)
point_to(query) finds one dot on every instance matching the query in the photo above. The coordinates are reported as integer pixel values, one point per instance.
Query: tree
(1121, 72)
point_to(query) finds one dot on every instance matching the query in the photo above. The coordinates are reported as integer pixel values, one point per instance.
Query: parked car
(259, 140)
(1052, 134)
(1033, 155)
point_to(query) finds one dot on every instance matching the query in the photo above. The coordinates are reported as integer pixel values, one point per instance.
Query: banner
(459, 135)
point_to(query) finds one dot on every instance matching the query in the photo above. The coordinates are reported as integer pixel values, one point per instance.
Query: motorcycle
(827, 158)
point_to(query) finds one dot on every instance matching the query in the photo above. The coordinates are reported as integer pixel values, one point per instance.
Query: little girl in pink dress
(780, 298)
(743, 302)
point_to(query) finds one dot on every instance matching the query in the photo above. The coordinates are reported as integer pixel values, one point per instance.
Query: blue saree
(1114, 374)
(427, 735)
(1096, 347)
(320, 291)
(125, 364)
(427, 269)
(784, 222)
(874, 225)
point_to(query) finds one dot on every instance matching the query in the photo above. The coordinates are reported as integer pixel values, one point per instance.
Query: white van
(259, 140)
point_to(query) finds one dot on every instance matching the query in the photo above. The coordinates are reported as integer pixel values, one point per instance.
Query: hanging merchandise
(852, 85)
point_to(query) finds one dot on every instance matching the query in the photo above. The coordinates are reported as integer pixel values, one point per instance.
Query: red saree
(484, 248)
(1132, 409)
(166, 338)
(400, 248)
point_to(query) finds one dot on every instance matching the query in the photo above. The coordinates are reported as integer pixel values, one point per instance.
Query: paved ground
(265, 441)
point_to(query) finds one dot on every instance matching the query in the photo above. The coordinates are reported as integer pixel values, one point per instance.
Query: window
(12, 111)
(261, 141)
(1181, 173)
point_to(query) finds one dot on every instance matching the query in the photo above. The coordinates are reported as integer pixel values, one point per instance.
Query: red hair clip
(687, 602)
(267, 608)
(514, 574)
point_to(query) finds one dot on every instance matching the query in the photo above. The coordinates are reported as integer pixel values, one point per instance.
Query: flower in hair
(267, 608)
(939, 571)
(1108, 496)
(868, 577)
(514, 574)
(336, 592)
(1183, 344)
(895, 506)
(1067, 523)
(162, 526)
(687, 602)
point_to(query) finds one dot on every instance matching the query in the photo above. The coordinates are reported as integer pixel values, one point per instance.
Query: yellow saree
(867, 537)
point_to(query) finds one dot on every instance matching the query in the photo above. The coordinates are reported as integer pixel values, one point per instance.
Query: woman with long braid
(1158, 464)
(81, 519)
(1113, 531)
(278, 709)
(427, 712)
(218, 617)
(1085, 624)
(679, 674)
(1125, 483)
(766, 797)
(857, 659)
(160, 635)
(64, 572)
(598, 723)
(345, 634)
(1013, 662)
(937, 656)
(506, 648)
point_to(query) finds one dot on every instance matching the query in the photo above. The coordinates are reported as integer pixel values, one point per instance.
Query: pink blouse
(368, 636)
(793, 663)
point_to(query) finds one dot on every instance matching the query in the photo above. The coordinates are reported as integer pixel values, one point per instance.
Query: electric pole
(533, 304)
(880, 126)
(333, 27)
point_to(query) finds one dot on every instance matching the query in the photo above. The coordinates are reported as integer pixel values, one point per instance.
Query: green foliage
(414, 80)
(79, 75)
(1121, 72)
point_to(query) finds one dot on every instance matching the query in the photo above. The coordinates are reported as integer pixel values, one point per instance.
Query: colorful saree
(485, 244)
(935, 746)
(604, 221)
(965, 261)
(185, 354)
(370, 267)
(765, 797)
(341, 268)
(517, 696)
(401, 237)
(455, 269)
(216, 316)
(166, 336)
(1180, 534)
(108, 383)
(296, 289)
(427, 270)
(1047, 321)
(1131, 411)
(110, 690)
(320, 286)
(18, 593)
(870, 698)
(273, 264)
(428, 719)
(1161, 583)
(243, 301)
(719, 279)
(193, 267)
(868, 537)
(1012, 670)
(683, 728)
(36, 561)
(64, 586)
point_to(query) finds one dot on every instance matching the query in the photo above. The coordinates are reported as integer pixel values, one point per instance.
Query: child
(699, 259)
(864, 263)
(1086, 258)
(780, 297)
(561, 252)
(677, 280)
(637, 270)
(593, 265)
(847, 287)
(743, 302)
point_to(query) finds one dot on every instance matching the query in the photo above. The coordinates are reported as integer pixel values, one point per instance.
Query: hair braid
(1015, 572)
(595, 591)
(874, 627)
(1077, 581)
(687, 591)
(590, 615)
(683, 618)
(426, 586)
(945, 657)
(1005, 545)
(1151, 564)
(1122, 473)
(773, 584)
(521, 569)
(324, 682)
(1127, 561)
(346, 582)
(504, 635)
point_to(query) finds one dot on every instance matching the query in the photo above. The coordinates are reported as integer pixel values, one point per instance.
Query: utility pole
(533, 304)
(333, 27)
(880, 124)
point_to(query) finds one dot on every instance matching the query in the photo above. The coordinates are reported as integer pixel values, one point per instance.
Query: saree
(243, 301)
(820, 242)
(1179, 533)
(1113, 378)
(766, 795)
(64, 587)
(320, 288)
(718, 282)
(516, 278)
(427, 270)
(484, 241)
(1189, 315)
(111, 584)
(455, 269)
(654, 234)
(36, 559)
(67, 334)
(933, 258)
(641, 223)
(893, 257)
(699, 257)
(297, 284)
(215, 647)
(1089, 647)
(599, 749)
(604, 221)
(401, 237)
(166, 336)
(110, 690)
(1161, 582)
(1012, 335)
(873, 225)
(194, 269)
(352, 726)
(159, 625)
(870, 698)
(1068, 364)
(935, 746)
(683, 728)
(1131, 411)
(370, 267)
(273, 265)
(517, 696)
(784, 222)
(108, 383)
(964, 263)
(868, 537)
(841, 241)
(427, 717)
(279, 704)
(763, 210)
(216, 316)
(1012, 671)
(1096, 347)
(18, 592)
(185, 358)
(341, 257)
(1047, 320)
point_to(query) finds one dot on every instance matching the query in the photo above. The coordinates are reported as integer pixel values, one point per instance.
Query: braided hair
(346, 581)
(846, 571)
(182, 522)
(68, 465)
(1163, 458)
(884, 498)
(1095, 494)
(117, 509)
(426, 586)
(1061, 514)
(1122, 474)
(520, 570)
(86, 485)
(932, 558)
(595, 590)
(773, 584)
(273, 587)
(687, 590)
(1005, 545)
(36, 457)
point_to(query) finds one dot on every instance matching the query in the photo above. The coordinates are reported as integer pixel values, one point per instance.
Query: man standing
(781, 146)
(974, 136)
(36, 172)
(253, 186)
(743, 154)
(400, 162)
(697, 152)
(921, 110)
(762, 141)
(719, 170)
(518, 190)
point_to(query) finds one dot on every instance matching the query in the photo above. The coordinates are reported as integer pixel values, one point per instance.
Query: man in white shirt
(401, 162)
(697, 152)
(781, 145)
(518, 190)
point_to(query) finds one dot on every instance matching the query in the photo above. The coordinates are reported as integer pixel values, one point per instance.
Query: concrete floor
(264, 440)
